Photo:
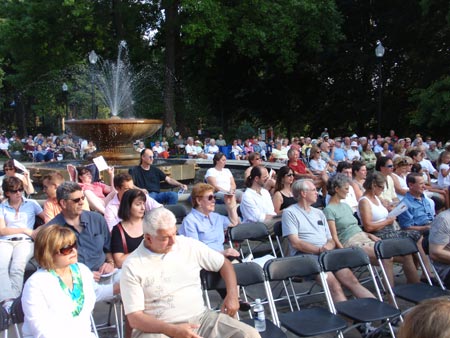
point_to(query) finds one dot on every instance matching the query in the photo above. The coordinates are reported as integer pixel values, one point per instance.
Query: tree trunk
(171, 14)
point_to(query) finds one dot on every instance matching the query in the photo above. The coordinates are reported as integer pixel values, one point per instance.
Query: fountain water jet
(114, 137)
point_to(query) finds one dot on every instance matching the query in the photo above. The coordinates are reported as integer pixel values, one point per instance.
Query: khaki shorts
(359, 240)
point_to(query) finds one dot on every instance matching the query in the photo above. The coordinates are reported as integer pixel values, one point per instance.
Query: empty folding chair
(4, 322)
(302, 322)
(360, 310)
(254, 239)
(247, 274)
(115, 312)
(413, 293)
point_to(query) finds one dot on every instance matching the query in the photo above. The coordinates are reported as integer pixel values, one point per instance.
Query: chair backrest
(289, 267)
(178, 210)
(388, 248)
(221, 209)
(17, 315)
(248, 273)
(277, 229)
(343, 258)
(252, 231)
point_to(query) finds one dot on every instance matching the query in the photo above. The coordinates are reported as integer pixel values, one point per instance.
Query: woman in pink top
(98, 194)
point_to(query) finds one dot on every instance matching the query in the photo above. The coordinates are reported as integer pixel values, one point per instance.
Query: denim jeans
(14, 256)
(166, 197)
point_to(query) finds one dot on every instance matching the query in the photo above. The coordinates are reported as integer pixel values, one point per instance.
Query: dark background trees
(296, 65)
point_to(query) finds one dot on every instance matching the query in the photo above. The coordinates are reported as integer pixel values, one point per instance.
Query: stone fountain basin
(114, 137)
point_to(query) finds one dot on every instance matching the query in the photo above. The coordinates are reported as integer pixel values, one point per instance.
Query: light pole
(93, 58)
(379, 52)
(65, 89)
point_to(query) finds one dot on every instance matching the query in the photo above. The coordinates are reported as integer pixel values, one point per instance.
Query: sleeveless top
(287, 201)
(379, 212)
(403, 184)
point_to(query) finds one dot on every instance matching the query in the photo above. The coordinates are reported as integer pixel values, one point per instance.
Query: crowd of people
(98, 240)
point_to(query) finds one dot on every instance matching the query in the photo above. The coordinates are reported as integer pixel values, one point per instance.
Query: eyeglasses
(318, 152)
(289, 175)
(209, 197)
(16, 191)
(68, 249)
(150, 157)
(389, 166)
(76, 200)
(9, 169)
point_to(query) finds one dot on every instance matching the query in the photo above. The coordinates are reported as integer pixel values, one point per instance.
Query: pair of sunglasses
(68, 249)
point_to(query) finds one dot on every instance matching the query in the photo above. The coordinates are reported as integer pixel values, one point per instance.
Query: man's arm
(174, 182)
(439, 254)
(231, 302)
(303, 246)
(147, 323)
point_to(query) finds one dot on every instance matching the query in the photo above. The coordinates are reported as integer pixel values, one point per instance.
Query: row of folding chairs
(319, 320)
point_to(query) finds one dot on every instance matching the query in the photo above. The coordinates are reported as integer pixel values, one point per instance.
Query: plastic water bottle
(258, 316)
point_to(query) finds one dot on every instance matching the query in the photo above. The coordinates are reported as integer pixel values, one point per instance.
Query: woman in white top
(319, 167)
(59, 298)
(221, 178)
(402, 166)
(375, 220)
(388, 196)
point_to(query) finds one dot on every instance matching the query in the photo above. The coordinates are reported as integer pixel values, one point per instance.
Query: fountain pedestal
(114, 137)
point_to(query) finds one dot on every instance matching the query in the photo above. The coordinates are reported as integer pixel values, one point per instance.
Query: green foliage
(433, 105)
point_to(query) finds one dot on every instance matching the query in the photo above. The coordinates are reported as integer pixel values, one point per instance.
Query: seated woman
(283, 197)
(59, 298)
(98, 194)
(368, 156)
(221, 178)
(388, 197)
(344, 226)
(359, 173)
(17, 218)
(319, 167)
(255, 160)
(237, 151)
(11, 171)
(207, 226)
(444, 170)
(128, 234)
(402, 167)
(42, 155)
(375, 220)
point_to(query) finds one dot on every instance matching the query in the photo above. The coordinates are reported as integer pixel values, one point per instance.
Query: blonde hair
(428, 319)
(48, 243)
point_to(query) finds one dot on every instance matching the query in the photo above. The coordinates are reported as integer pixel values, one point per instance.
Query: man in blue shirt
(339, 152)
(420, 211)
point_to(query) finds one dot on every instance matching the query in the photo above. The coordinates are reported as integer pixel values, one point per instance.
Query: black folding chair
(17, 315)
(253, 239)
(302, 322)
(247, 274)
(179, 211)
(4, 322)
(413, 293)
(360, 310)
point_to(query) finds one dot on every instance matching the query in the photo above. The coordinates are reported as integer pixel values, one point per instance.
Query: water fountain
(114, 137)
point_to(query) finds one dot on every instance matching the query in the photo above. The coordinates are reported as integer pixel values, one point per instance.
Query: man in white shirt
(256, 204)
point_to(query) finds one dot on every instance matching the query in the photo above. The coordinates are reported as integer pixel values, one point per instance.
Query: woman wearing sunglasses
(11, 171)
(17, 218)
(207, 226)
(58, 299)
(283, 197)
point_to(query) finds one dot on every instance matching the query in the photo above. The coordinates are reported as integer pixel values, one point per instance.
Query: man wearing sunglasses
(147, 176)
(161, 289)
(93, 238)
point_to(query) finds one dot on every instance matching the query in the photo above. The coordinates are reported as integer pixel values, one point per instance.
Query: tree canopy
(296, 65)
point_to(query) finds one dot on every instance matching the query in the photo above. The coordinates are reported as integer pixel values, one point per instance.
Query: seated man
(256, 203)
(122, 183)
(158, 303)
(439, 241)
(147, 176)
(92, 234)
(307, 231)
(191, 149)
